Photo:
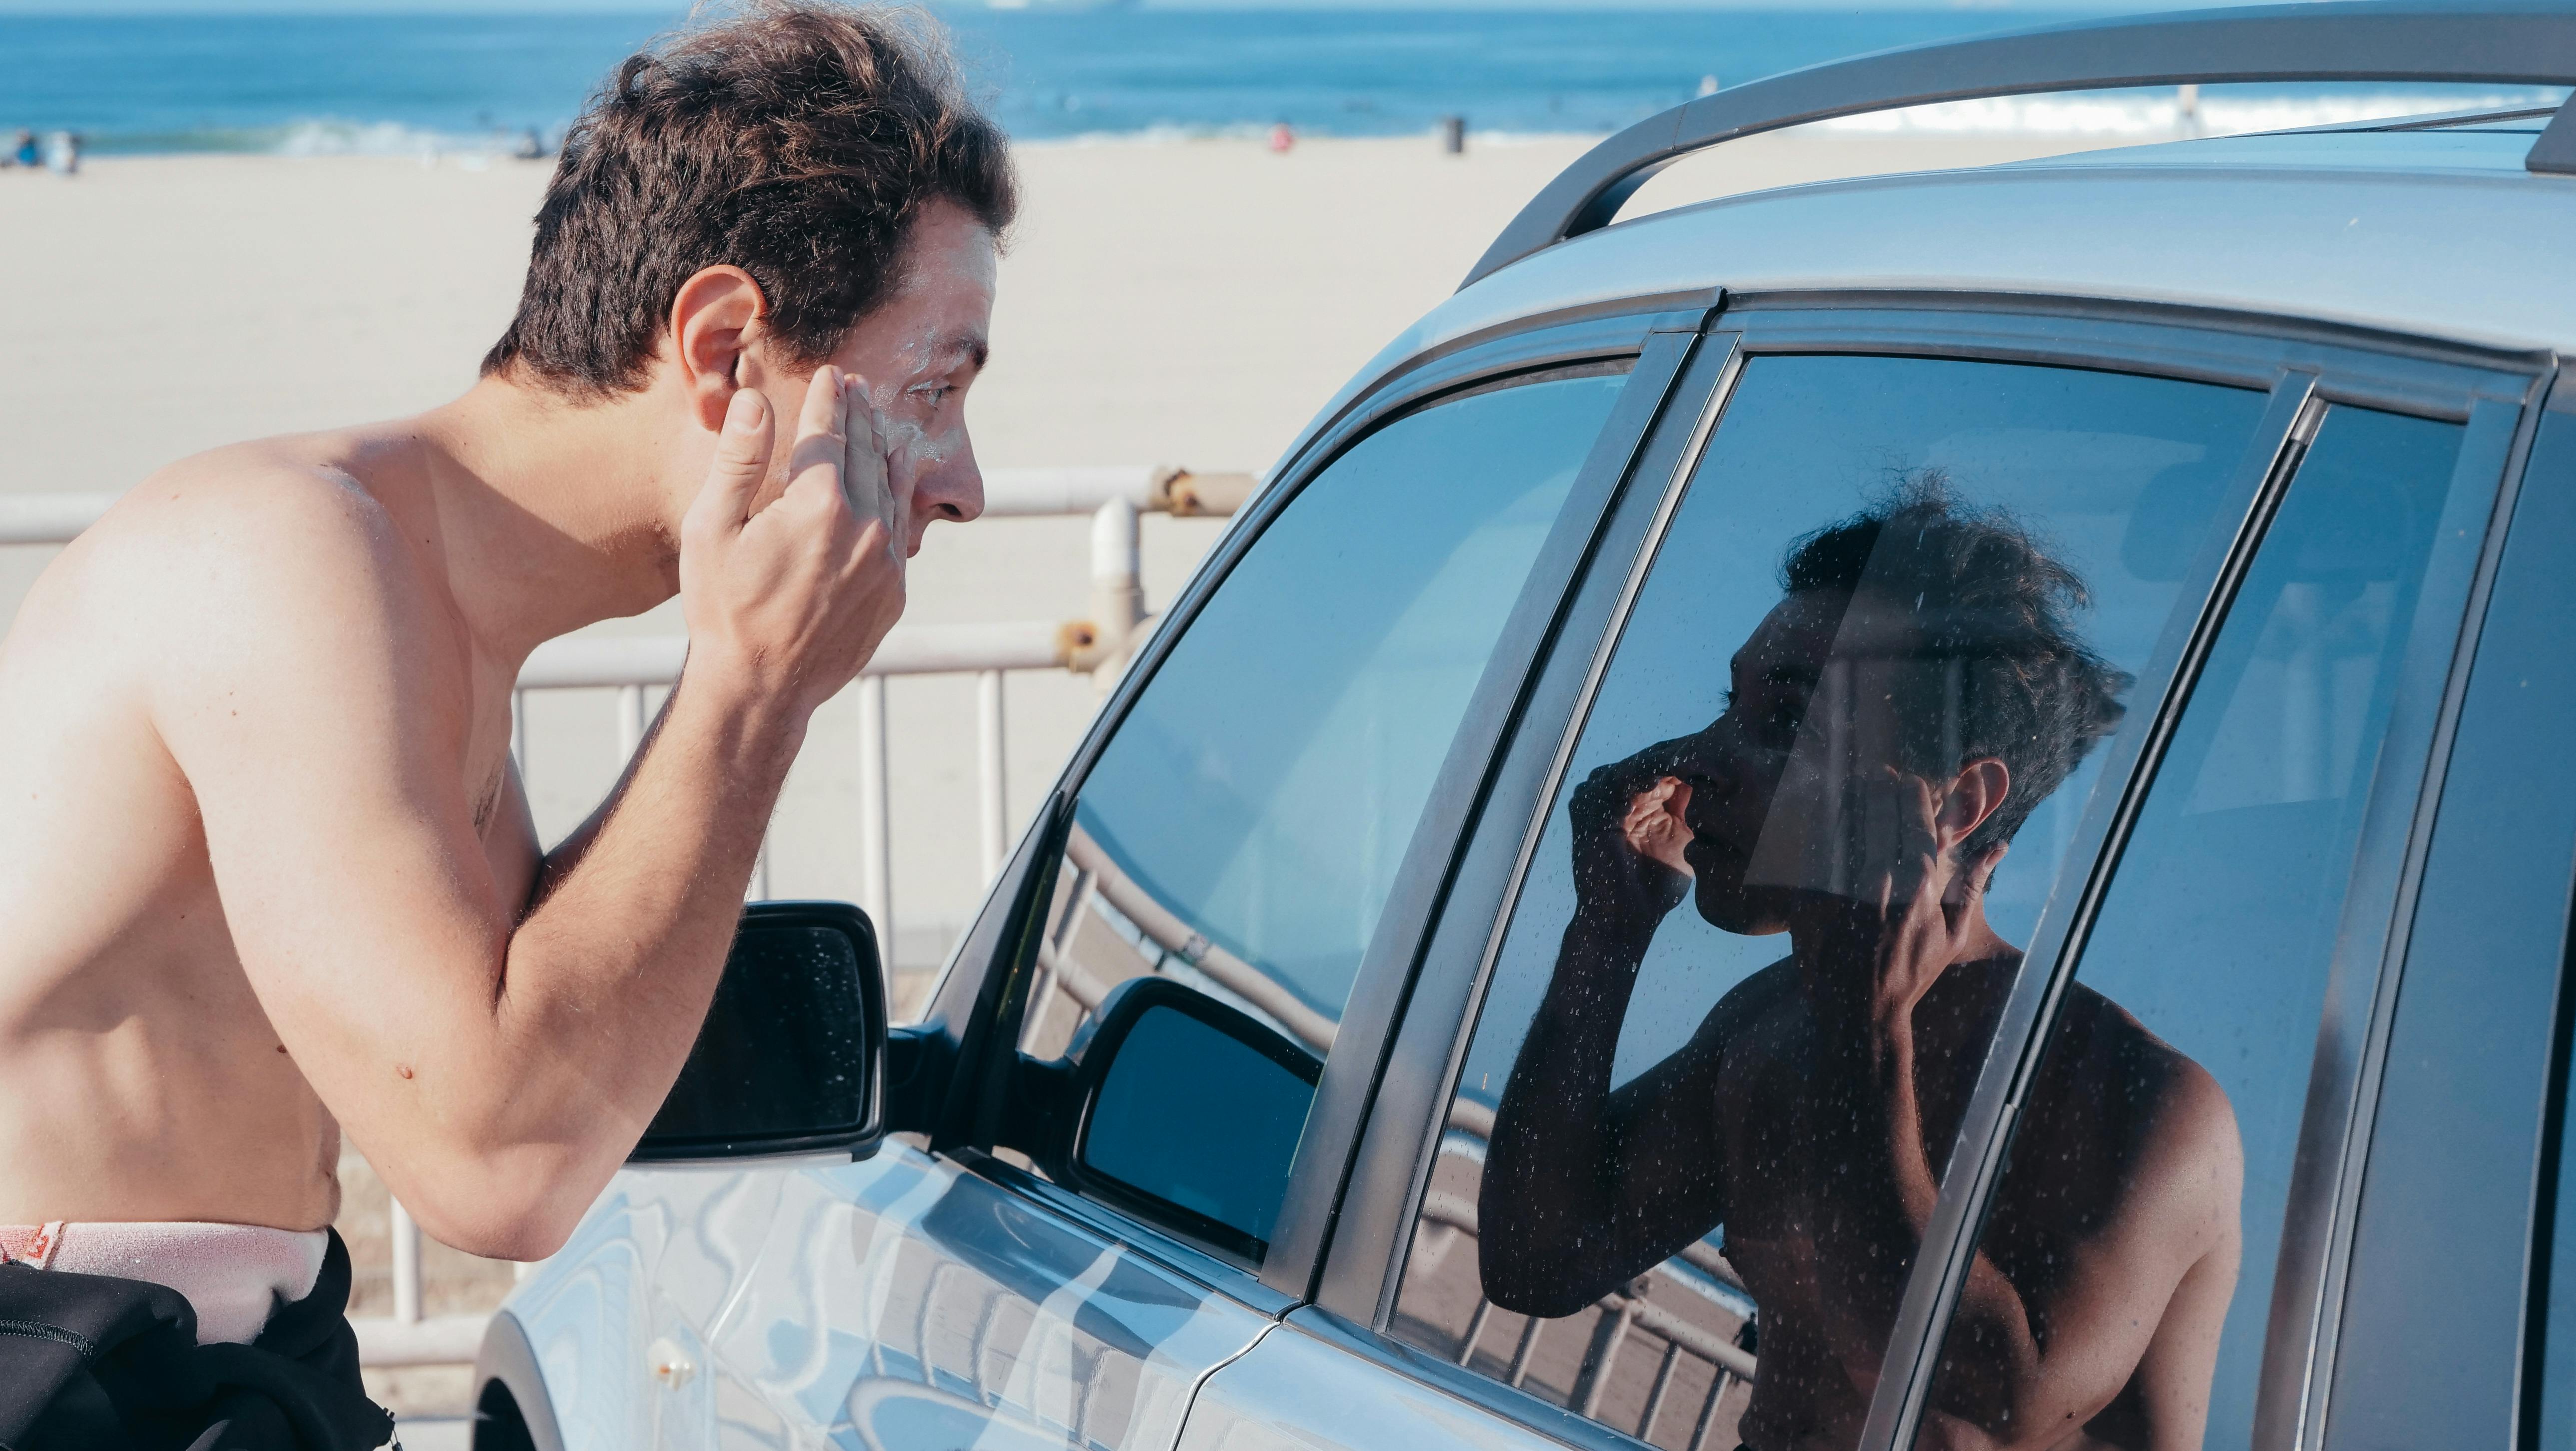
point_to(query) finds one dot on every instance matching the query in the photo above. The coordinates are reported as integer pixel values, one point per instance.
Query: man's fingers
(899, 492)
(741, 462)
(863, 466)
(815, 467)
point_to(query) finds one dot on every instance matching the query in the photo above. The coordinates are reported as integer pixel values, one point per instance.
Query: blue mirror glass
(1197, 1118)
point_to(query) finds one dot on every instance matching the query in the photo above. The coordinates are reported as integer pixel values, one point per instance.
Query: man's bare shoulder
(2171, 1116)
(1753, 1012)
(242, 542)
(269, 569)
(250, 502)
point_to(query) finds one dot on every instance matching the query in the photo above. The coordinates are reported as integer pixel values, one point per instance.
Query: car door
(1240, 824)
(2260, 567)
(2456, 1322)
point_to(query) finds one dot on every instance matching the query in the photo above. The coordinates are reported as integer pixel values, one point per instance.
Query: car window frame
(2508, 642)
(2305, 368)
(971, 1022)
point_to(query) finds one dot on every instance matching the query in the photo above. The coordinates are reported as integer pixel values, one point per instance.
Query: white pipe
(992, 783)
(51, 518)
(946, 649)
(54, 518)
(406, 1238)
(595, 660)
(586, 661)
(438, 1340)
(876, 817)
(1117, 588)
(1036, 493)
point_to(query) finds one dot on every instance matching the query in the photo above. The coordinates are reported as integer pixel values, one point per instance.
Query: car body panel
(1267, 1400)
(898, 1301)
(2432, 1337)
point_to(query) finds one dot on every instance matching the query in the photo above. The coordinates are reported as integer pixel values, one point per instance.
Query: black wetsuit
(95, 1361)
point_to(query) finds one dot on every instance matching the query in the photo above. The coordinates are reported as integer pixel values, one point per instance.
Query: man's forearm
(1550, 1170)
(1869, 1132)
(608, 977)
(1882, 1208)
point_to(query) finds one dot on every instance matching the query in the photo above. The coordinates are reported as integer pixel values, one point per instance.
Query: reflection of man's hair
(1985, 601)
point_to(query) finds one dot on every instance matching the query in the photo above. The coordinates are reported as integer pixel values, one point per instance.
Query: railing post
(1608, 1334)
(630, 723)
(876, 816)
(406, 1243)
(1117, 591)
(519, 735)
(992, 785)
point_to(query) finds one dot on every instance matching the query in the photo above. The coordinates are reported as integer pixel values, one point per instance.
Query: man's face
(1811, 709)
(1734, 767)
(919, 352)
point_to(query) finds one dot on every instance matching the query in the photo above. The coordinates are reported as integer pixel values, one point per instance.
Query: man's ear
(1976, 793)
(715, 318)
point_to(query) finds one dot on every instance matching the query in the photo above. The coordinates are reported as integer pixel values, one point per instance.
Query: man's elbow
(1532, 1254)
(500, 1213)
(1549, 1290)
(1547, 1277)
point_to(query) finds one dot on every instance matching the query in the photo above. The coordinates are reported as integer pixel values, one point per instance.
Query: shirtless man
(267, 873)
(1813, 1111)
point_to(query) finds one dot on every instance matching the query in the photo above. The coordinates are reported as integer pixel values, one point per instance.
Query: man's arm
(1584, 1188)
(2138, 1306)
(497, 1058)
(2024, 1365)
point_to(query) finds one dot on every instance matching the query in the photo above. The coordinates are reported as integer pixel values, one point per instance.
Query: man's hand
(789, 601)
(1910, 915)
(1628, 840)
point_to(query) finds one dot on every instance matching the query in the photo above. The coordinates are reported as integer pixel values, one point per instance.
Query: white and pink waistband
(233, 1273)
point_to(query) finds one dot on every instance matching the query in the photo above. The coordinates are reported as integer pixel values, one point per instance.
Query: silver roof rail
(2507, 42)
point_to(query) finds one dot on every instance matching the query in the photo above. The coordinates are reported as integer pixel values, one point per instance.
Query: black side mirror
(1186, 1109)
(791, 1059)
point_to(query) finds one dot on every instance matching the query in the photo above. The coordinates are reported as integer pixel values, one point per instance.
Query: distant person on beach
(267, 871)
(23, 151)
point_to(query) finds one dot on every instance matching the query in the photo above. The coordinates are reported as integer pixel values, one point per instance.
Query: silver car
(1527, 956)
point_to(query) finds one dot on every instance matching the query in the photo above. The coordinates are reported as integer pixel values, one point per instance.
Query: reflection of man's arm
(2032, 1359)
(2141, 1297)
(1584, 1187)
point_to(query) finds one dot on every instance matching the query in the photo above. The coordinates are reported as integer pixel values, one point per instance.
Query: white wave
(2165, 113)
(1169, 133)
(382, 138)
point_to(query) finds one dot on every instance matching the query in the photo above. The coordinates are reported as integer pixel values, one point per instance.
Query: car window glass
(1894, 614)
(1241, 832)
(2181, 1057)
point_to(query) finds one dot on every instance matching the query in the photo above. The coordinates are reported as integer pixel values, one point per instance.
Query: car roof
(2438, 232)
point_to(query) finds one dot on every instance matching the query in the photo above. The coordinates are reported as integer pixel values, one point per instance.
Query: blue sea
(405, 84)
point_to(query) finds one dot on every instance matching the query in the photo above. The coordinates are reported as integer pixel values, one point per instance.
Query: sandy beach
(1189, 303)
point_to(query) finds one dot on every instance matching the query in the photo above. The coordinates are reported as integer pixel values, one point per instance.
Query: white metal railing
(1114, 497)
(1625, 1311)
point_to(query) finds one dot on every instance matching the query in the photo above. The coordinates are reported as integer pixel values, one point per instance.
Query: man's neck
(552, 515)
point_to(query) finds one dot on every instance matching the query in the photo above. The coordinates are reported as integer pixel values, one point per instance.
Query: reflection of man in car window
(1891, 723)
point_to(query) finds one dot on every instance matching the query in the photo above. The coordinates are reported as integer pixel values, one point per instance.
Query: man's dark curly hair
(1988, 612)
(797, 140)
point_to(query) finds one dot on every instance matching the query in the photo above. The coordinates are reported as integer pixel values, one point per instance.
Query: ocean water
(404, 84)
